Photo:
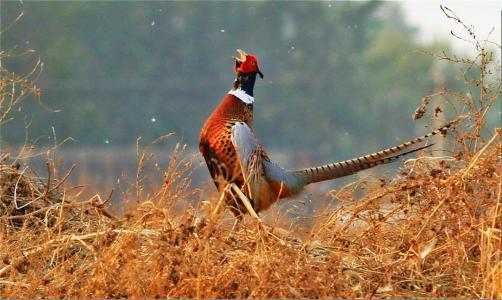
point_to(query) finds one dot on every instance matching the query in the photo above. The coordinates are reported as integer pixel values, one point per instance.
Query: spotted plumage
(234, 154)
(216, 137)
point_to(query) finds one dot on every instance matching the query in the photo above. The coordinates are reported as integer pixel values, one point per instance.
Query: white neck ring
(242, 95)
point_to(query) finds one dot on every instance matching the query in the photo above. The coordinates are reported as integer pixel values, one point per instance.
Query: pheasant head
(246, 64)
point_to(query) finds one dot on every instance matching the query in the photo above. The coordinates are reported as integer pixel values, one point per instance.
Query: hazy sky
(433, 24)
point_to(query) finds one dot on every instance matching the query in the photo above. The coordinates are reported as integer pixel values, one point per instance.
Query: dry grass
(434, 231)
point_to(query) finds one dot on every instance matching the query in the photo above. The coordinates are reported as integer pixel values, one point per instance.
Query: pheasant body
(217, 147)
(233, 153)
(215, 140)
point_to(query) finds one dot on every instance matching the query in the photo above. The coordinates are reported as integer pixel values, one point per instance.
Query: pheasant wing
(259, 172)
(249, 154)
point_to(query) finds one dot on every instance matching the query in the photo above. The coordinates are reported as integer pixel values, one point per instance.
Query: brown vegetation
(432, 232)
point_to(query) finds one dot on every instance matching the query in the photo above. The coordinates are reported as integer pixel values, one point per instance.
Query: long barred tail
(351, 166)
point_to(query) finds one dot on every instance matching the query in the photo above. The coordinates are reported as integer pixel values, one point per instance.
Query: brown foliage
(435, 232)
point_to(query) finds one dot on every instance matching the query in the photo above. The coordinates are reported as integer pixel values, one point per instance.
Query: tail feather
(351, 166)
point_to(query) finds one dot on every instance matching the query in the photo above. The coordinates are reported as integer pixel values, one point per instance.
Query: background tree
(340, 78)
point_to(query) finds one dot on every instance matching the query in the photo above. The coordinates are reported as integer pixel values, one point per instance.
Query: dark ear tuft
(260, 73)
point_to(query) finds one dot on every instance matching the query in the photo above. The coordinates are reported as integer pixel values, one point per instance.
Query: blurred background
(341, 79)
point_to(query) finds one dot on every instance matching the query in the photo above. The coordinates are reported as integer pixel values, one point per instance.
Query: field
(433, 230)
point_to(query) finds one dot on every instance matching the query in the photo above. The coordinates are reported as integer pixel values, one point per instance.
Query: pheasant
(233, 153)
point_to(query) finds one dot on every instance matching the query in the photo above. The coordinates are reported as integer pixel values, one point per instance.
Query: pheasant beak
(242, 57)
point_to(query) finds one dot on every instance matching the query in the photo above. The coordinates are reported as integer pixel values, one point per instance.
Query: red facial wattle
(250, 65)
(247, 63)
